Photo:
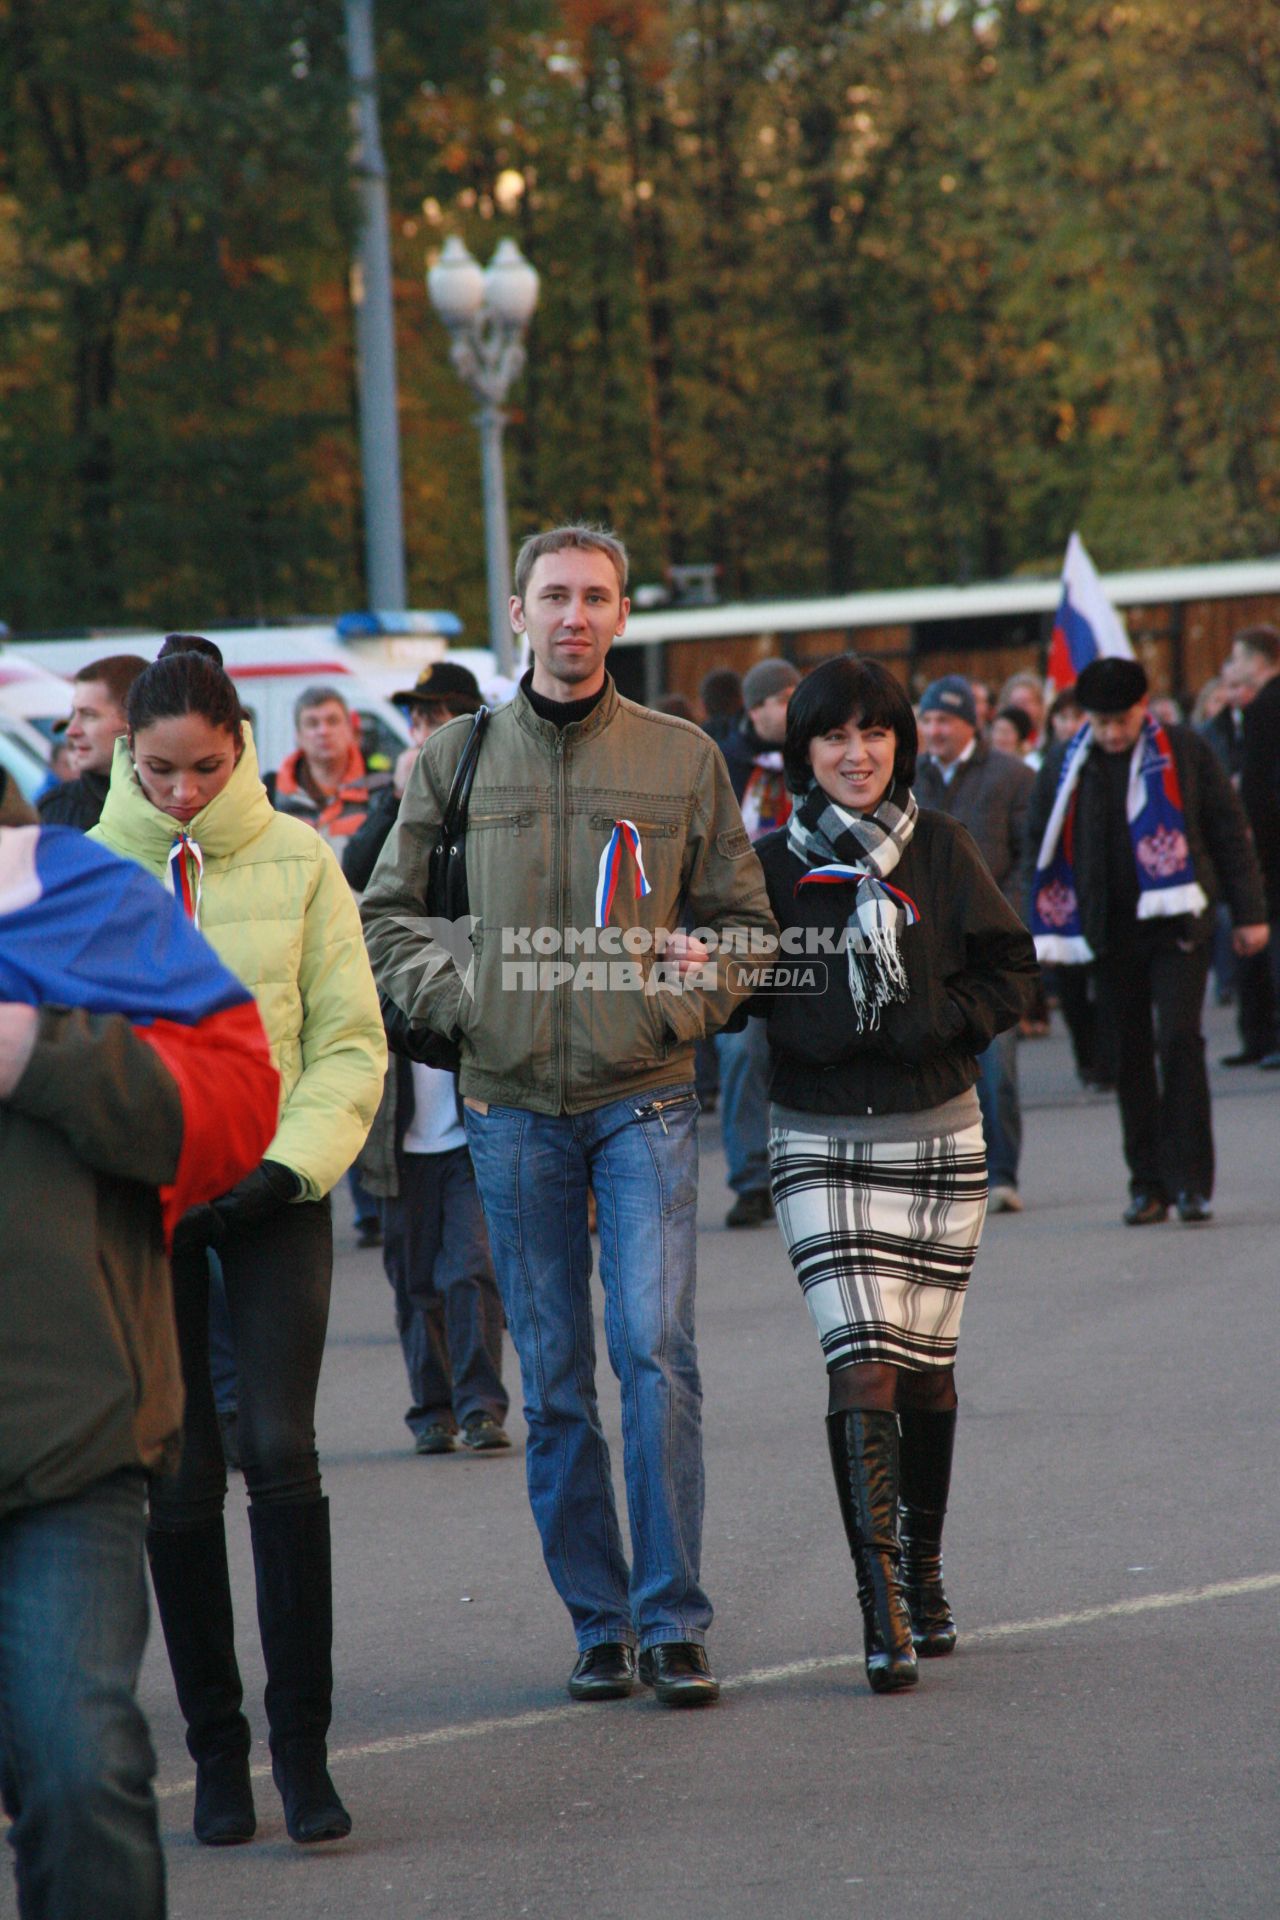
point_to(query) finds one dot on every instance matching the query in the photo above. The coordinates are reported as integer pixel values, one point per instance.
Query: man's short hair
(317, 697)
(116, 673)
(1262, 641)
(589, 539)
(720, 692)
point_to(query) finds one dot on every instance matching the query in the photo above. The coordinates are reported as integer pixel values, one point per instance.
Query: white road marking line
(770, 1676)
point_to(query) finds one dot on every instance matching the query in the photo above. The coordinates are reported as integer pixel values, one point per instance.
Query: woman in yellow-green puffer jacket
(187, 803)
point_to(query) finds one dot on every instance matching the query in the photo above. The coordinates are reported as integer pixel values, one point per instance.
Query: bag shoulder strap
(455, 811)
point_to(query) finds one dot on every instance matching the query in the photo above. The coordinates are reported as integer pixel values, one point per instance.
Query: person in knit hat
(753, 755)
(988, 792)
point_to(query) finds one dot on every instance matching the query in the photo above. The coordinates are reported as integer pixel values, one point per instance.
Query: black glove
(198, 1228)
(257, 1196)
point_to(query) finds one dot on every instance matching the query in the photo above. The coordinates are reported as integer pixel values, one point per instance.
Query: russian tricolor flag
(80, 927)
(1087, 626)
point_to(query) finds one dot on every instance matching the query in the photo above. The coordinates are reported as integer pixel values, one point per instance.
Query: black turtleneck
(561, 713)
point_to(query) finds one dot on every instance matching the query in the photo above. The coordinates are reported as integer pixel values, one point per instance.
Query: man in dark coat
(988, 792)
(1152, 834)
(1255, 657)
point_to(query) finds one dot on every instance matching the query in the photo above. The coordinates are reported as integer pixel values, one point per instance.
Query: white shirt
(435, 1127)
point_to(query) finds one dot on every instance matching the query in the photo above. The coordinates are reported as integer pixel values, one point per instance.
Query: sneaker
(1004, 1200)
(751, 1209)
(436, 1438)
(481, 1433)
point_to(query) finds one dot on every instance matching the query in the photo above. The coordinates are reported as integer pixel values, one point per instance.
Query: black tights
(876, 1385)
(277, 1277)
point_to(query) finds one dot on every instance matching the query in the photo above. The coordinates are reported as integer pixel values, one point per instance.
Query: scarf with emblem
(860, 850)
(1167, 882)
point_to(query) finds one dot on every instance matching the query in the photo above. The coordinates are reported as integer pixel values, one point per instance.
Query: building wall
(1181, 647)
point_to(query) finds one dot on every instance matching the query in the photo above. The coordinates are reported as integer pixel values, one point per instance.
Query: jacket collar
(549, 733)
(237, 815)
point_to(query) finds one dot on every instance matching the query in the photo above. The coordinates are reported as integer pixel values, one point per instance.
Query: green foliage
(843, 295)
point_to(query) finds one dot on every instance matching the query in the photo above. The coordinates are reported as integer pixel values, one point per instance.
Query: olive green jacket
(552, 1015)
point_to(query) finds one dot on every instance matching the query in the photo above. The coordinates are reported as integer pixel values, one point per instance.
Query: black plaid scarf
(842, 848)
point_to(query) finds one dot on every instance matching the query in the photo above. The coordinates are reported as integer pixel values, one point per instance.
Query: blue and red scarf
(82, 928)
(1157, 829)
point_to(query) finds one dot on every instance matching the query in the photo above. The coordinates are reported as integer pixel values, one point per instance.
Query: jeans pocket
(668, 1121)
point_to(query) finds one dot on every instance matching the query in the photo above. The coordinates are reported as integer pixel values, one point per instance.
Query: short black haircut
(844, 689)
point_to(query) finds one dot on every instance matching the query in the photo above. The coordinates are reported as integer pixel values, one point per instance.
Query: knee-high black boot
(864, 1457)
(193, 1597)
(928, 1441)
(295, 1615)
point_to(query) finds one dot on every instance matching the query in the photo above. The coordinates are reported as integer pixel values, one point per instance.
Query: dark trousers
(1152, 989)
(448, 1314)
(278, 1277)
(1091, 1044)
(1256, 1000)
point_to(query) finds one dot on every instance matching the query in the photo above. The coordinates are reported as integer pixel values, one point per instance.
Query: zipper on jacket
(560, 1006)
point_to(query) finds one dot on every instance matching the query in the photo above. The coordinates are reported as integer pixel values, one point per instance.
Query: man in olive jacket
(595, 826)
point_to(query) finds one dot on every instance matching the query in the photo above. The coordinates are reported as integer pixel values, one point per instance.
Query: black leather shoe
(677, 1671)
(1193, 1207)
(604, 1672)
(1145, 1210)
(751, 1209)
(1245, 1058)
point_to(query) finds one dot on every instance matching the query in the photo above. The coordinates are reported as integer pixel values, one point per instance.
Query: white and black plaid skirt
(882, 1236)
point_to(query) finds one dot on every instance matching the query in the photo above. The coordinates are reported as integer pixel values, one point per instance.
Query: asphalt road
(1102, 1743)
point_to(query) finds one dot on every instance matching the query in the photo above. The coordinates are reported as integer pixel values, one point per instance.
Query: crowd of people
(172, 927)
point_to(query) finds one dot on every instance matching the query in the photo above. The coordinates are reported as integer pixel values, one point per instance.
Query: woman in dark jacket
(876, 1147)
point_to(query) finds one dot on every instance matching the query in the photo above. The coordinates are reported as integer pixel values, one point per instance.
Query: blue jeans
(744, 1105)
(76, 1762)
(1001, 1108)
(641, 1158)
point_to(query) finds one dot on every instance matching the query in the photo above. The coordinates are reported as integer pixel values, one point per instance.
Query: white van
(32, 693)
(24, 756)
(270, 666)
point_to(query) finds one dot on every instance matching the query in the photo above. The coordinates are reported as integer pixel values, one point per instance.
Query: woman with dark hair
(186, 802)
(876, 1149)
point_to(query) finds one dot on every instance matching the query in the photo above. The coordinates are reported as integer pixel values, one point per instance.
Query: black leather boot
(295, 1615)
(928, 1441)
(864, 1458)
(193, 1598)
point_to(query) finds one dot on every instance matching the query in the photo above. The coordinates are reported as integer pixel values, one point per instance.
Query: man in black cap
(1134, 832)
(440, 693)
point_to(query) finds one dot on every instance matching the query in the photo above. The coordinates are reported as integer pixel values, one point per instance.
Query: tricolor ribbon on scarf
(184, 855)
(835, 874)
(1157, 831)
(625, 833)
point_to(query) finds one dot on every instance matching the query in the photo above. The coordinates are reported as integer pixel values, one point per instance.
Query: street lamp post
(487, 310)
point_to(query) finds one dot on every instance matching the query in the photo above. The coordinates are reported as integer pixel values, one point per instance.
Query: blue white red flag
(82, 928)
(1087, 626)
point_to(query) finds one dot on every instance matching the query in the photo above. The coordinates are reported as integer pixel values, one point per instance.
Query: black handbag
(444, 898)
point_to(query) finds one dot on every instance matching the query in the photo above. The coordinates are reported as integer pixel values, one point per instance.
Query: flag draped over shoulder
(80, 927)
(1086, 626)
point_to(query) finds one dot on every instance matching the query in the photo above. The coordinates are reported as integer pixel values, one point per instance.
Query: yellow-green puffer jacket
(275, 906)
